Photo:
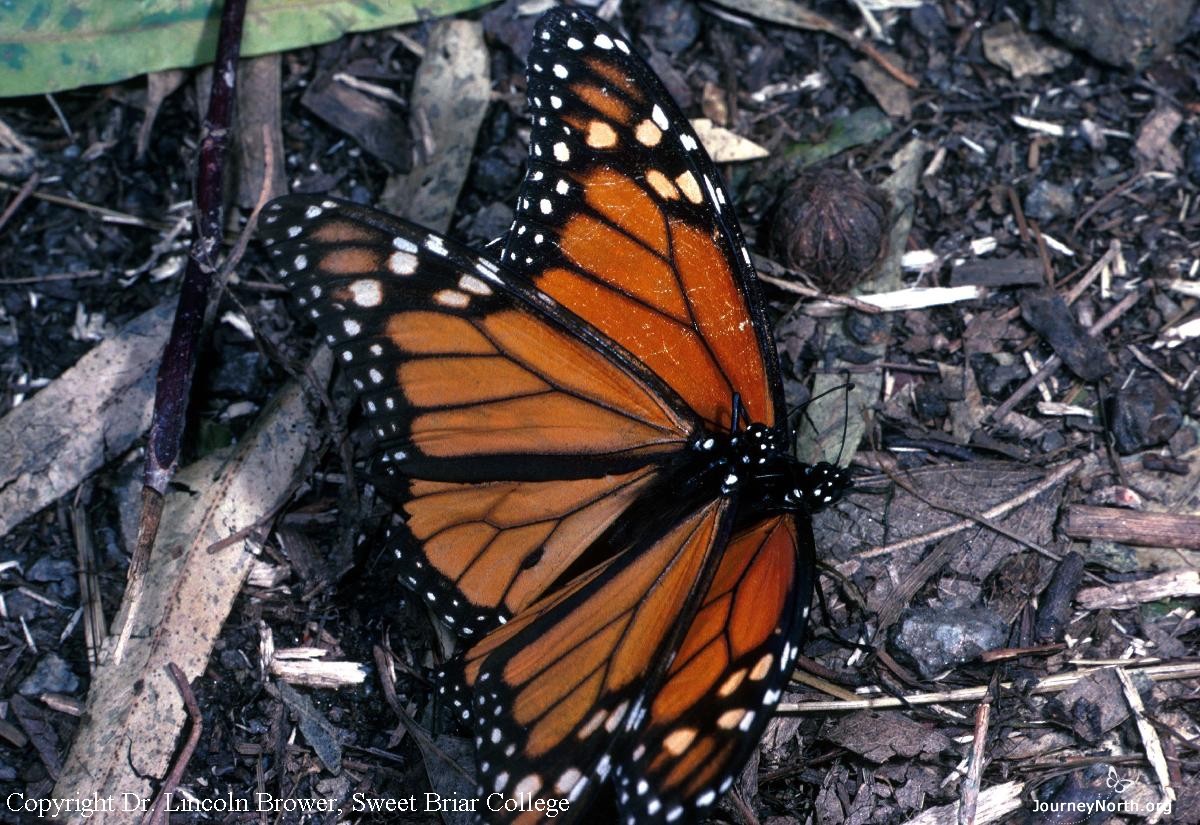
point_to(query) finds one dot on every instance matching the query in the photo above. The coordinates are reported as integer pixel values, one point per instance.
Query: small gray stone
(1047, 201)
(936, 639)
(51, 675)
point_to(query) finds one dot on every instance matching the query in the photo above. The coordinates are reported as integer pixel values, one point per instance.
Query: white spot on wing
(402, 263)
(469, 283)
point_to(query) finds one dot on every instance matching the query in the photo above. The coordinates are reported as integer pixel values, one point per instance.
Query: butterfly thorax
(755, 464)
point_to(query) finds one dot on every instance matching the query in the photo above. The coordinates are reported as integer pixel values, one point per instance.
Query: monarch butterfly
(586, 442)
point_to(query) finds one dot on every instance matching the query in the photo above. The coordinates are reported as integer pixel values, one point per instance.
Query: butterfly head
(816, 486)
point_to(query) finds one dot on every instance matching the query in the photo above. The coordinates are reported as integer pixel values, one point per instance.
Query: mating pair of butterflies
(587, 443)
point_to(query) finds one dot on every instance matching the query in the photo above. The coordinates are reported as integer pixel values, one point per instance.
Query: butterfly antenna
(803, 407)
(845, 416)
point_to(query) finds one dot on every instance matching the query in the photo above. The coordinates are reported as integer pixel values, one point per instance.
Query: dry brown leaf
(86, 417)
(449, 100)
(134, 712)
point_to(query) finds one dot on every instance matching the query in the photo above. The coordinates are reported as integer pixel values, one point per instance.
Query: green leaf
(51, 45)
(860, 127)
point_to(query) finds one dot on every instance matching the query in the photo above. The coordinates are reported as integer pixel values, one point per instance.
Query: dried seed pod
(832, 225)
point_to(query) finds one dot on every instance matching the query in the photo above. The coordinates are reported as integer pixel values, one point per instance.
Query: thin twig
(1049, 684)
(1150, 740)
(110, 215)
(173, 387)
(157, 815)
(22, 194)
(985, 518)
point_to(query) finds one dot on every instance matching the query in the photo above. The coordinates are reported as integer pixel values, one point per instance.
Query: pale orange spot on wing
(677, 741)
(690, 187)
(647, 133)
(661, 184)
(600, 135)
(350, 261)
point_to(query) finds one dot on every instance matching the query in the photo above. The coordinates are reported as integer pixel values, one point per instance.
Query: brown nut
(832, 225)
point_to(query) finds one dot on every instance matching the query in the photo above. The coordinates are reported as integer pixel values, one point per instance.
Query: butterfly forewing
(477, 391)
(623, 219)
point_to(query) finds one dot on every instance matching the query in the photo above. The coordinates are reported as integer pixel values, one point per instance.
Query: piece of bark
(1093, 705)
(998, 272)
(1049, 315)
(1153, 146)
(1054, 606)
(86, 417)
(879, 736)
(373, 125)
(1133, 526)
(134, 711)
(892, 96)
(259, 120)
(1175, 584)
(1022, 53)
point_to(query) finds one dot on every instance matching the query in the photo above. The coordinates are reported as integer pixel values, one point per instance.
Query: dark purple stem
(179, 358)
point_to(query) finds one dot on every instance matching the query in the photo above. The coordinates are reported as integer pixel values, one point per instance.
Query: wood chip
(725, 146)
(1133, 527)
(1174, 584)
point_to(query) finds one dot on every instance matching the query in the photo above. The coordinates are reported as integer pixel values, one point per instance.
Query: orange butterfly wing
(624, 220)
(543, 424)
(554, 686)
(727, 674)
(478, 391)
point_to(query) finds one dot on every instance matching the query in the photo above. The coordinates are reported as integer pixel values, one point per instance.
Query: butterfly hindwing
(497, 546)
(726, 677)
(555, 687)
(623, 219)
